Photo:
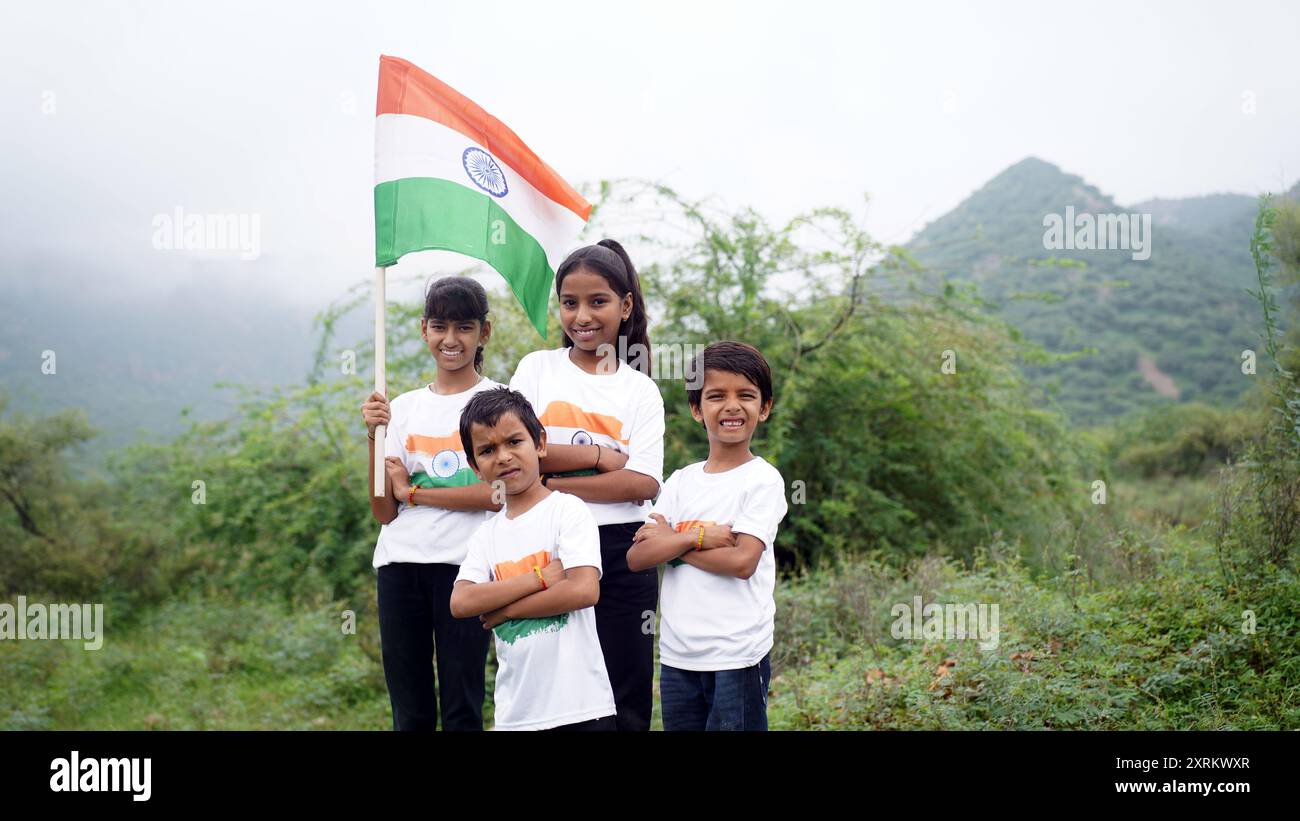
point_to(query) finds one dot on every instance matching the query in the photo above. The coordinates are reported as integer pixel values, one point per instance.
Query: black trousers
(414, 613)
(625, 623)
(604, 723)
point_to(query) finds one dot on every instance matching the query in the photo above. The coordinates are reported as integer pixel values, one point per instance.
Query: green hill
(1168, 328)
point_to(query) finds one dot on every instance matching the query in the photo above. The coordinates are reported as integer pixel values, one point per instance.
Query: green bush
(1182, 440)
(881, 448)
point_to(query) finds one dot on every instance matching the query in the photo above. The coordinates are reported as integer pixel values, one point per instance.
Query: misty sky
(112, 114)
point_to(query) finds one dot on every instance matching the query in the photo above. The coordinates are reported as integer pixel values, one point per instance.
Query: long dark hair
(456, 299)
(608, 259)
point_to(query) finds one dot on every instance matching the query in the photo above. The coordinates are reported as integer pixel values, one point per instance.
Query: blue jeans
(715, 700)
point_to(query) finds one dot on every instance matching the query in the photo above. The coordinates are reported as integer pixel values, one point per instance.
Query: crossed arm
(720, 551)
(739, 561)
(477, 496)
(523, 596)
(612, 483)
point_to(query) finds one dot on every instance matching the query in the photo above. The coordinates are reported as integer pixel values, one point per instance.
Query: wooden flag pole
(380, 336)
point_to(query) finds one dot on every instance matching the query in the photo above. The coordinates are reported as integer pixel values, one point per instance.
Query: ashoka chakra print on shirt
(484, 172)
(445, 464)
(582, 438)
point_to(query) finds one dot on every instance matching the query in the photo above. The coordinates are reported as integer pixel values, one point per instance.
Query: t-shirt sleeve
(525, 380)
(475, 567)
(666, 504)
(762, 509)
(394, 440)
(579, 542)
(646, 445)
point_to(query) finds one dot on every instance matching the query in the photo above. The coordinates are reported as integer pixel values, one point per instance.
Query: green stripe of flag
(421, 214)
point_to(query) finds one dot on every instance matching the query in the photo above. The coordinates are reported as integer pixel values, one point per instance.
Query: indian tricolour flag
(450, 176)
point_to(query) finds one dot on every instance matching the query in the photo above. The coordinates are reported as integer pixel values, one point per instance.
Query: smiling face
(505, 452)
(590, 311)
(730, 407)
(453, 342)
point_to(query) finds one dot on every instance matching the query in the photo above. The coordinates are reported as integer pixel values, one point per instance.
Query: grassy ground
(205, 664)
(1143, 636)
(1163, 652)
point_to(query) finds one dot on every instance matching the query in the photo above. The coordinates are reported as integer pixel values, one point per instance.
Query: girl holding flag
(433, 504)
(450, 176)
(604, 421)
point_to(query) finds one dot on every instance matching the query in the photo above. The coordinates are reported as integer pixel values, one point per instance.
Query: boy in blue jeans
(714, 523)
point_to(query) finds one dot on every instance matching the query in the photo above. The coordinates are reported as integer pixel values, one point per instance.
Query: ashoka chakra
(445, 464)
(484, 171)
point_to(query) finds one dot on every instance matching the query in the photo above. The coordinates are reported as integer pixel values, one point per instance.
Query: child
(434, 504)
(714, 524)
(532, 574)
(604, 421)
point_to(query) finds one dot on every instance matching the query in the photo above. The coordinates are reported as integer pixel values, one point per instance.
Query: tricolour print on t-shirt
(568, 424)
(581, 425)
(441, 461)
(513, 630)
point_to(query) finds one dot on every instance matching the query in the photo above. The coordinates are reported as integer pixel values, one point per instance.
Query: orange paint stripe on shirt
(682, 527)
(415, 443)
(406, 89)
(508, 570)
(567, 415)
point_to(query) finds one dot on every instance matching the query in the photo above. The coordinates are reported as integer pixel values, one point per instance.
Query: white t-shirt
(551, 670)
(710, 621)
(424, 430)
(621, 410)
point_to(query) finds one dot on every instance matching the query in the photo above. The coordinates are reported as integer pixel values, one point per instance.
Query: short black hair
(732, 357)
(487, 407)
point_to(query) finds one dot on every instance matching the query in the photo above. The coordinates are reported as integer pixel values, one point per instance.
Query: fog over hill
(1167, 328)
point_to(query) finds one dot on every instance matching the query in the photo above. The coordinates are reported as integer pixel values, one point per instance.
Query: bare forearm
(725, 561)
(562, 597)
(468, 599)
(657, 550)
(616, 486)
(567, 458)
(564, 458)
(477, 496)
(383, 508)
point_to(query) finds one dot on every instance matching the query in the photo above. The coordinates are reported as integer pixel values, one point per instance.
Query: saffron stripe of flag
(452, 177)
